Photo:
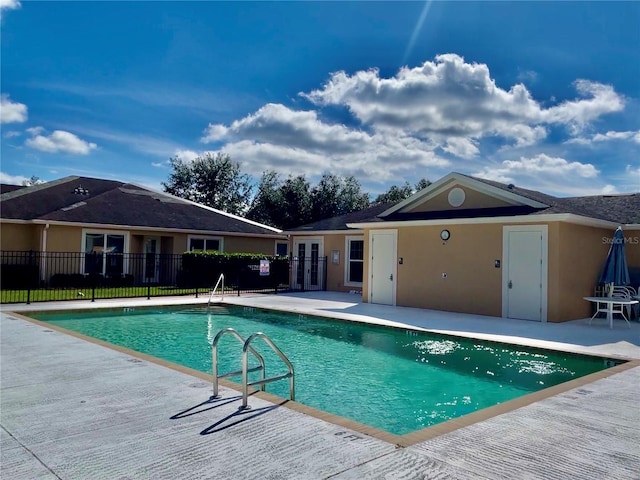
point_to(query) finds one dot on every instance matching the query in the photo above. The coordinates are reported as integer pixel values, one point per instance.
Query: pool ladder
(246, 348)
(213, 292)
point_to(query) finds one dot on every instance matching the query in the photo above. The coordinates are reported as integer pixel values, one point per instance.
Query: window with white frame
(104, 252)
(205, 243)
(282, 249)
(354, 261)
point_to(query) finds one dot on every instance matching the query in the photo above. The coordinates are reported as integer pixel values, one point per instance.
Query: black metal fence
(33, 276)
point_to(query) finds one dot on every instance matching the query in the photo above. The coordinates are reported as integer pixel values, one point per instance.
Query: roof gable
(456, 192)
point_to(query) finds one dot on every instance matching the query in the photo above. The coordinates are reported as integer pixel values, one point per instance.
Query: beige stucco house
(470, 245)
(89, 215)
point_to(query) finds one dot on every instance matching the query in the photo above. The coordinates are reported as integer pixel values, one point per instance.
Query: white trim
(457, 179)
(275, 250)
(550, 217)
(125, 248)
(319, 240)
(345, 231)
(544, 231)
(294, 254)
(347, 259)
(395, 264)
(206, 237)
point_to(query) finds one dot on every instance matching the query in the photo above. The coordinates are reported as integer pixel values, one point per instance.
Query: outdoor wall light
(444, 235)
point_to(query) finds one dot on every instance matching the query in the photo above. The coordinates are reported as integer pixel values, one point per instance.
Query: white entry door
(383, 270)
(308, 267)
(525, 273)
(151, 259)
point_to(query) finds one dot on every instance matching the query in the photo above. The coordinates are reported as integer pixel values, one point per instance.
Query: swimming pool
(393, 379)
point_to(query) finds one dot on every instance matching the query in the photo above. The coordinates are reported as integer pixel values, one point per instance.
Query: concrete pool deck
(73, 409)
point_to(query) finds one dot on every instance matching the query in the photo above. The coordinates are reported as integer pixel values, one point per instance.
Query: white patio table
(610, 302)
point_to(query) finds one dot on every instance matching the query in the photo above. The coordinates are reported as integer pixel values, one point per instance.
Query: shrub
(241, 270)
(19, 276)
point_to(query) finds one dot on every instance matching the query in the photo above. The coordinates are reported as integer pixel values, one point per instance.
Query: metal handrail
(213, 292)
(214, 360)
(245, 369)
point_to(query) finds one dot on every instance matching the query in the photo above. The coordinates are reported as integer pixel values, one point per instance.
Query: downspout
(43, 257)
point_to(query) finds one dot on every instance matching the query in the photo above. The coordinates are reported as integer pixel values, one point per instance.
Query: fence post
(148, 289)
(196, 292)
(93, 293)
(28, 295)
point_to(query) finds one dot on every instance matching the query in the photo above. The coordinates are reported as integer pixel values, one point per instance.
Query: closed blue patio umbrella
(615, 267)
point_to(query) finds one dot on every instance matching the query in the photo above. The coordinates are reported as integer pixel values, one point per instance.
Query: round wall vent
(456, 197)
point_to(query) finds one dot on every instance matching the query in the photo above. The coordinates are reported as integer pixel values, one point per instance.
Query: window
(354, 264)
(104, 253)
(205, 243)
(282, 249)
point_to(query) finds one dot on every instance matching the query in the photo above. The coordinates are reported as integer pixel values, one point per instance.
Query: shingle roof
(5, 188)
(340, 222)
(87, 200)
(622, 209)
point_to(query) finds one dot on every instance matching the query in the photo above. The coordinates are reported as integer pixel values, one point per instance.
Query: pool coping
(405, 440)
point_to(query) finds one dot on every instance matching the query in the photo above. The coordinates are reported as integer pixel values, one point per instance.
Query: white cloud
(59, 142)
(578, 113)
(528, 76)
(12, 179)
(35, 130)
(187, 155)
(553, 175)
(611, 135)
(9, 5)
(632, 136)
(11, 134)
(461, 147)
(420, 122)
(633, 170)
(160, 147)
(450, 97)
(276, 137)
(12, 112)
(542, 164)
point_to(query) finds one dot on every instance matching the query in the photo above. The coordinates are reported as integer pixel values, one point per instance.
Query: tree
(269, 201)
(291, 203)
(283, 204)
(213, 180)
(395, 193)
(336, 196)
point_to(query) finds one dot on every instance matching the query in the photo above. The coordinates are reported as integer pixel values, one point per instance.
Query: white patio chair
(626, 293)
(618, 292)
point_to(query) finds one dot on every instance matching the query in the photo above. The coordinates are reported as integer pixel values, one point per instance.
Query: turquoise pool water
(393, 379)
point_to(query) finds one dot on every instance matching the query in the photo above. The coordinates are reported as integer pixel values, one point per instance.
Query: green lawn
(46, 295)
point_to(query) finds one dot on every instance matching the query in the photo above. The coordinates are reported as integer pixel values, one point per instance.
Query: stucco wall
(69, 239)
(472, 282)
(250, 245)
(336, 272)
(19, 237)
(473, 199)
(576, 256)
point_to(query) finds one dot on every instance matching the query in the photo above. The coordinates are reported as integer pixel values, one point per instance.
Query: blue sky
(544, 95)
